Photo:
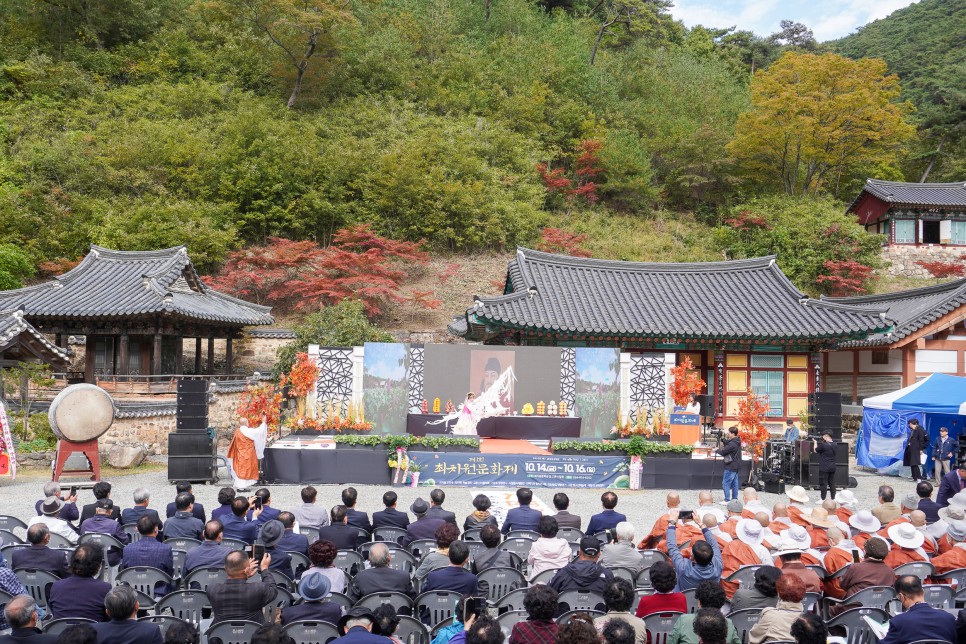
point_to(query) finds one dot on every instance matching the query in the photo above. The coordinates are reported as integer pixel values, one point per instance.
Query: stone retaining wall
(902, 258)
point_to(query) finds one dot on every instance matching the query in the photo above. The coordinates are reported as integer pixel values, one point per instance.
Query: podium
(685, 428)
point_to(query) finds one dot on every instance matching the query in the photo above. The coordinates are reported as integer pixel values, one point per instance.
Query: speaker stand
(88, 448)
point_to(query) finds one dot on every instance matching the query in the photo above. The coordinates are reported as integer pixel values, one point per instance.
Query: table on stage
(513, 427)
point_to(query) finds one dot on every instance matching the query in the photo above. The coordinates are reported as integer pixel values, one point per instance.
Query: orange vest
(951, 560)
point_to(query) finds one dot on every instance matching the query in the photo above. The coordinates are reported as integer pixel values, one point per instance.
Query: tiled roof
(743, 299)
(271, 334)
(12, 326)
(111, 283)
(912, 309)
(915, 194)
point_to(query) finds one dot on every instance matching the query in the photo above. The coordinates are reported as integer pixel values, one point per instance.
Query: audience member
(809, 628)
(49, 515)
(310, 514)
(561, 503)
(665, 598)
(78, 634)
(584, 573)
(102, 523)
(887, 510)
(951, 485)
(386, 622)
(797, 505)
(314, 589)
(436, 511)
(955, 557)
(238, 598)
(40, 556)
(81, 594)
(709, 595)
(271, 634)
(619, 598)
(549, 552)
(523, 517)
(291, 540)
(322, 554)
(68, 509)
(608, 518)
(762, 593)
(225, 496)
(101, 490)
(210, 554)
(842, 552)
(711, 525)
(121, 605)
(579, 630)
(655, 539)
(617, 631)
(706, 506)
(379, 577)
(390, 517)
(493, 556)
(354, 518)
(926, 504)
(481, 514)
(148, 551)
(706, 561)
(865, 526)
(872, 571)
(21, 617)
(197, 509)
(745, 550)
(790, 554)
(356, 628)
(622, 553)
(752, 503)
(439, 558)
(919, 620)
(540, 602)
(268, 513)
(486, 630)
(184, 523)
(338, 531)
(141, 500)
(775, 624)
(907, 545)
(182, 633)
(269, 536)
(453, 577)
(424, 527)
(710, 626)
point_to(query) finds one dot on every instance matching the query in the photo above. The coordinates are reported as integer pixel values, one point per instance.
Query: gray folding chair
(472, 535)
(921, 569)
(60, 541)
(564, 619)
(873, 597)
(544, 577)
(818, 570)
(624, 573)
(146, 579)
(957, 575)
(177, 562)
(202, 578)
(939, 595)
(37, 583)
(437, 605)
(436, 629)
(856, 629)
(232, 631)
(577, 600)
(509, 619)
(389, 533)
(412, 631)
(532, 535)
(311, 632)
(692, 601)
(105, 542)
(8, 538)
(349, 561)
(745, 576)
(188, 605)
(300, 563)
(312, 534)
(58, 626)
(234, 544)
(400, 559)
(419, 547)
(660, 625)
(812, 603)
(401, 602)
(341, 599)
(163, 622)
(131, 530)
(182, 543)
(520, 546)
(512, 601)
(573, 535)
(651, 557)
(495, 583)
(10, 523)
(744, 620)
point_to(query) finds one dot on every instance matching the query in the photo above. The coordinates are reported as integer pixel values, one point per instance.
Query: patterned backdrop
(334, 383)
(648, 385)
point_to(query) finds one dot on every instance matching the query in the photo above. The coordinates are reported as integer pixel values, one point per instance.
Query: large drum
(81, 413)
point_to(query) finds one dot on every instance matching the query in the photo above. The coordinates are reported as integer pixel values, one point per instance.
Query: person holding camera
(705, 561)
(731, 453)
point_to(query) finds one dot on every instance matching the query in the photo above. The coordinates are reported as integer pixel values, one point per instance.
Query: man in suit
(291, 540)
(210, 554)
(102, 490)
(197, 510)
(148, 551)
(609, 518)
(39, 556)
(81, 594)
(225, 496)
(564, 519)
(238, 598)
(236, 526)
(453, 577)
(380, 578)
(102, 523)
(356, 628)
(68, 511)
(919, 621)
(951, 484)
(354, 517)
(141, 500)
(390, 517)
(339, 532)
(424, 527)
(523, 517)
(929, 507)
(122, 607)
(436, 510)
(313, 589)
(185, 522)
(270, 534)
(310, 514)
(21, 615)
(268, 513)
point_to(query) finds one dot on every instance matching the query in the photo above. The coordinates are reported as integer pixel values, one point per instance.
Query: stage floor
(507, 446)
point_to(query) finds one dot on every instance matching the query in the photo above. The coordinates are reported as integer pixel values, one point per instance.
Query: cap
(419, 507)
(271, 533)
(356, 612)
(910, 501)
(734, 505)
(590, 546)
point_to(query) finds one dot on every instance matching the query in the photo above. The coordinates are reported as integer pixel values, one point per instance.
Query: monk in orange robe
(246, 449)
(953, 559)
(780, 520)
(746, 550)
(906, 545)
(659, 530)
(839, 556)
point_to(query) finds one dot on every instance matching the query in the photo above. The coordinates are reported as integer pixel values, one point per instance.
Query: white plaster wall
(894, 366)
(935, 361)
(840, 361)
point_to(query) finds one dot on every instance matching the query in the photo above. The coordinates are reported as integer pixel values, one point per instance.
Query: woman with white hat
(745, 550)
(864, 526)
(909, 542)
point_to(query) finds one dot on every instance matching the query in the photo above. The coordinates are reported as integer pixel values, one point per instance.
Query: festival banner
(518, 470)
(8, 455)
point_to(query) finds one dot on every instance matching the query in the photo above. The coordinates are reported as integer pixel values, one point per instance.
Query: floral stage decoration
(405, 469)
(334, 421)
(261, 400)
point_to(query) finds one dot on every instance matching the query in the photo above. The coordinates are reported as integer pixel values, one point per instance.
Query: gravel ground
(641, 506)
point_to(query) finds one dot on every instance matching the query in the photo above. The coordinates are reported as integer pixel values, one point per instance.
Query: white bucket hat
(798, 494)
(846, 498)
(905, 535)
(953, 513)
(864, 521)
(795, 537)
(958, 501)
(750, 531)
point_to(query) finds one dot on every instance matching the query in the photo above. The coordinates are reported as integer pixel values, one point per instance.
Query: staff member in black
(917, 443)
(731, 451)
(826, 464)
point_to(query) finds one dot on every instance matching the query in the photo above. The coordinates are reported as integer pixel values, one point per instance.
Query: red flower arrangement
(258, 401)
(685, 381)
(752, 410)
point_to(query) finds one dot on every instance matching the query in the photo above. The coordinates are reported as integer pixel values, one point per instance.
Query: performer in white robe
(246, 449)
(466, 424)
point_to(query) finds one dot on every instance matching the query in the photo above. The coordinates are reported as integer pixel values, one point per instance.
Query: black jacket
(40, 558)
(343, 536)
(125, 631)
(380, 580)
(581, 575)
(324, 611)
(88, 511)
(437, 512)
(917, 443)
(424, 528)
(732, 447)
(32, 635)
(357, 519)
(826, 456)
(390, 518)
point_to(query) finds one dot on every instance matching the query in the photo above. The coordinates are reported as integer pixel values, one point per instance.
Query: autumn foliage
(585, 174)
(844, 277)
(752, 410)
(940, 269)
(301, 379)
(685, 382)
(261, 400)
(558, 240)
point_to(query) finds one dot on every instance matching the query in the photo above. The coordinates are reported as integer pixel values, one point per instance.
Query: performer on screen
(491, 378)
(246, 449)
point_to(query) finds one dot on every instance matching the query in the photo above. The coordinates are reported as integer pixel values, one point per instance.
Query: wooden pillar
(197, 356)
(211, 356)
(59, 339)
(908, 365)
(123, 347)
(228, 356)
(179, 355)
(89, 359)
(855, 377)
(156, 358)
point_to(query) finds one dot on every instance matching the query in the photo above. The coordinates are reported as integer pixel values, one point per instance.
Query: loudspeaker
(825, 397)
(775, 487)
(193, 444)
(191, 468)
(192, 409)
(192, 385)
(706, 403)
(825, 409)
(806, 474)
(192, 423)
(192, 399)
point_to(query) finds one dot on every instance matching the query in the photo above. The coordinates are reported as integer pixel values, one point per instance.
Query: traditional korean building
(919, 221)
(135, 310)
(742, 323)
(929, 337)
(21, 342)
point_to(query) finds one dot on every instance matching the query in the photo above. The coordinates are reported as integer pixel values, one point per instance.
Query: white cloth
(763, 554)
(704, 510)
(757, 506)
(57, 526)
(259, 435)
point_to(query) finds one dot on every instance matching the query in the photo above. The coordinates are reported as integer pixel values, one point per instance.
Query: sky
(828, 19)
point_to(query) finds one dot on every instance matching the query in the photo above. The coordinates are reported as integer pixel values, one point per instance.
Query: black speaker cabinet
(806, 471)
(192, 399)
(193, 409)
(706, 403)
(825, 409)
(191, 385)
(191, 457)
(194, 444)
(825, 397)
(192, 423)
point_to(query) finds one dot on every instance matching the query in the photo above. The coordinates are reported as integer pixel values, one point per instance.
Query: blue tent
(936, 401)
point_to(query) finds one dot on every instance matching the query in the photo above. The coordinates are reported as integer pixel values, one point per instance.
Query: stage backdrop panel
(450, 371)
(385, 386)
(598, 390)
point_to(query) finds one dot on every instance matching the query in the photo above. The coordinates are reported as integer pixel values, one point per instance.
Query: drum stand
(88, 448)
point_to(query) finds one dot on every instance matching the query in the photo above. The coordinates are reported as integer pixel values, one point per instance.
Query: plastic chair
(312, 534)
(573, 535)
(188, 605)
(349, 561)
(921, 569)
(177, 562)
(544, 577)
(818, 570)
(512, 601)
(651, 557)
(412, 631)
(939, 595)
(497, 582)
(8, 538)
(234, 544)
(419, 547)
(509, 619)
(341, 599)
(565, 618)
(182, 543)
(436, 629)
(58, 626)
(402, 560)
(300, 563)
(744, 620)
(745, 576)
(812, 603)
(202, 578)
(10, 523)
(105, 542)
(857, 630)
(310, 632)
(871, 597)
(145, 579)
(389, 533)
(131, 530)
(37, 583)
(60, 541)
(283, 598)
(640, 593)
(692, 601)
(7, 551)
(282, 580)
(532, 535)
(957, 575)
(621, 572)
(660, 625)
(520, 546)
(364, 548)
(437, 604)
(233, 631)
(576, 600)
(472, 534)
(163, 622)
(475, 548)
(399, 601)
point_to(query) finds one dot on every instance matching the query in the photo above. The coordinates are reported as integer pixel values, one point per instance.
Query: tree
(752, 410)
(558, 240)
(20, 378)
(794, 34)
(941, 270)
(817, 120)
(685, 382)
(621, 19)
(15, 266)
